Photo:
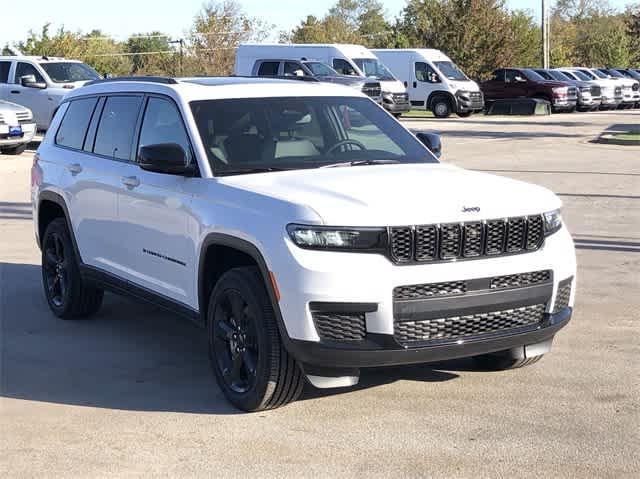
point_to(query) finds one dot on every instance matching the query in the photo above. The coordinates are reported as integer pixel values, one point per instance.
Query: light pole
(545, 36)
(181, 43)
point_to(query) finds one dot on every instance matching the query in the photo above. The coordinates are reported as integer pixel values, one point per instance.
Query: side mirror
(168, 158)
(29, 81)
(433, 78)
(431, 141)
(519, 79)
(106, 76)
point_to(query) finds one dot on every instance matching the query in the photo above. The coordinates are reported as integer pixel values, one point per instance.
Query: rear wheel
(252, 367)
(68, 295)
(441, 107)
(503, 360)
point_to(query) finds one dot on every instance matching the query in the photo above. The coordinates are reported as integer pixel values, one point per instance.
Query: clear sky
(121, 18)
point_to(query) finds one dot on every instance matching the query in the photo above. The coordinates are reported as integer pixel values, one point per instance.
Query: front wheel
(252, 367)
(503, 360)
(16, 150)
(464, 114)
(441, 107)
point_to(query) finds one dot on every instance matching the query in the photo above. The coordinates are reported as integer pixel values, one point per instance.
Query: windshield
(271, 134)
(599, 74)
(451, 71)
(321, 70)
(544, 74)
(586, 73)
(373, 68)
(556, 75)
(69, 72)
(531, 75)
(615, 73)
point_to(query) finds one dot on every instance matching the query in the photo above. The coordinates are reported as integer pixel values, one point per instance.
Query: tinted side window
(268, 69)
(498, 75)
(4, 71)
(75, 122)
(25, 69)
(117, 124)
(425, 73)
(163, 124)
(343, 67)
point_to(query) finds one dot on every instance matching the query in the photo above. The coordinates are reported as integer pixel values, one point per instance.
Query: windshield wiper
(361, 163)
(243, 171)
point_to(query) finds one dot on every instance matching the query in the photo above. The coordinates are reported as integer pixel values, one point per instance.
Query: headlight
(370, 240)
(552, 222)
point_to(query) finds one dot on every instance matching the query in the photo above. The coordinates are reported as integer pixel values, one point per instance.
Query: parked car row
(567, 89)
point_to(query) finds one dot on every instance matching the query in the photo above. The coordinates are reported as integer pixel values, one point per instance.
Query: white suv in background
(305, 229)
(40, 83)
(17, 128)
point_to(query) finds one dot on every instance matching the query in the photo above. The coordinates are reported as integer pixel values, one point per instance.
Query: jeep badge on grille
(471, 209)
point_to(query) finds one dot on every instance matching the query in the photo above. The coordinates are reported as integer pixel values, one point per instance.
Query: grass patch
(418, 114)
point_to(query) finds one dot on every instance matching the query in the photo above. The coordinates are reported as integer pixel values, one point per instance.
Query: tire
(441, 107)
(16, 150)
(251, 365)
(68, 295)
(464, 114)
(501, 361)
(397, 115)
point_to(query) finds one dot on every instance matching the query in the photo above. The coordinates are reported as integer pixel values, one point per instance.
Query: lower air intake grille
(340, 326)
(563, 295)
(420, 291)
(462, 327)
(520, 280)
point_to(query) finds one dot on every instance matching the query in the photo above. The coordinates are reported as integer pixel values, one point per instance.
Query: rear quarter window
(4, 71)
(73, 127)
(268, 69)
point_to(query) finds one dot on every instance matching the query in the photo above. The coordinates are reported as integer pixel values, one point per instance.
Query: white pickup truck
(40, 83)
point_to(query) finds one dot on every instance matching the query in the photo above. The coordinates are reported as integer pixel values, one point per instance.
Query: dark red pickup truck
(524, 82)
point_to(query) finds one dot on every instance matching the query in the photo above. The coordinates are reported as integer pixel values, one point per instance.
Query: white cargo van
(433, 81)
(345, 59)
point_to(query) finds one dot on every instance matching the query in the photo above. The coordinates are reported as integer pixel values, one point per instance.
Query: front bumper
(383, 350)
(473, 101)
(28, 129)
(396, 103)
(307, 278)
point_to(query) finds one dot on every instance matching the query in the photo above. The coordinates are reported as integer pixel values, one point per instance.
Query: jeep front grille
(454, 241)
(372, 89)
(596, 91)
(454, 328)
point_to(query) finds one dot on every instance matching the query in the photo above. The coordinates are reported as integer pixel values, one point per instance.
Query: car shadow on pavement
(130, 356)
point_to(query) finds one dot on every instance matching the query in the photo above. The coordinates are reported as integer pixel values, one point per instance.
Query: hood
(68, 86)
(391, 86)
(394, 195)
(554, 83)
(346, 80)
(468, 85)
(7, 106)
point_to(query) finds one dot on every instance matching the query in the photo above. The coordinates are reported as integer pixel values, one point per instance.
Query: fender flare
(244, 246)
(438, 93)
(56, 198)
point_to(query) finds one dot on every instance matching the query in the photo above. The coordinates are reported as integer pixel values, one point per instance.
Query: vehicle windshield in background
(556, 75)
(271, 134)
(321, 70)
(615, 74)
(451, 71)
(599, 74)
(545, 74)
(587, 73)
(531, 75)
(372, 68)
(581, 76)
(67, 72)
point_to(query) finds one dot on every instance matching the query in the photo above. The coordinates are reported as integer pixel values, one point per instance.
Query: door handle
(74, 168)
(406, 84)
(15, 92)
(415, 84)
(130, 181)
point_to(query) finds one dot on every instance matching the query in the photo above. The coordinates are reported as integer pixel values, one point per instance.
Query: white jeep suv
(301, 225)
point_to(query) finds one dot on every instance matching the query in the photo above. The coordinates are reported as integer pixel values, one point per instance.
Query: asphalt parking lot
(131, 392)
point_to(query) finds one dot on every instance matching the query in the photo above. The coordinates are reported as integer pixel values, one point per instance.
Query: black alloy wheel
(56, 270)
(235, 340)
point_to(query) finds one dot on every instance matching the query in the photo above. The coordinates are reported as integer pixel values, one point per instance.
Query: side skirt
(127, 288)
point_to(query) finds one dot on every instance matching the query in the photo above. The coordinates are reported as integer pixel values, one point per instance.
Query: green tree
(213, 39)
(632, 20)
(154, 55)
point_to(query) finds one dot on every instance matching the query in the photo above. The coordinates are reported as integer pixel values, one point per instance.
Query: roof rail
(148, 79)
